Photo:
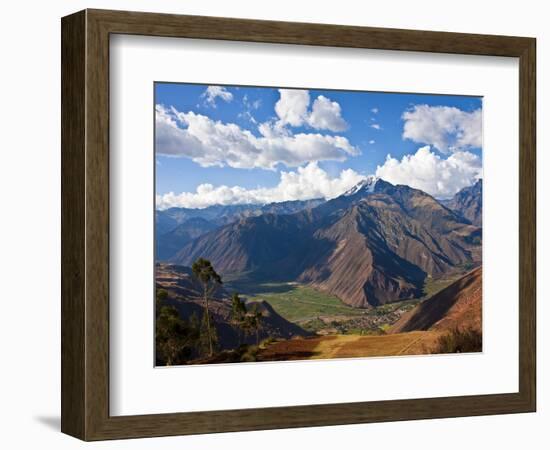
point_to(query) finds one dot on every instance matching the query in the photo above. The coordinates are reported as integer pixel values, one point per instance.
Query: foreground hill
(375, 244)
(458, 306)
(184, 293)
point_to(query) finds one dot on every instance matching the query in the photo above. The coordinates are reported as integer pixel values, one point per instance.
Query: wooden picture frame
(85, 224)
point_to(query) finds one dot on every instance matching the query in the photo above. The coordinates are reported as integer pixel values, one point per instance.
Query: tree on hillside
(175, 339)
(168, 335)
(161, 296)
(254, 321)
(210, 280)
(208, 337)
(238, 314)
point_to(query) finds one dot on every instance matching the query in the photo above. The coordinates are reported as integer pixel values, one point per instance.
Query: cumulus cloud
(427, 171)
(292, 106)
(372, 141)
(374, 110)
(327, 115)
(375, 126)
(213, 143)
(213, 92)
(292, 109)
(446, 128)
(303, 184)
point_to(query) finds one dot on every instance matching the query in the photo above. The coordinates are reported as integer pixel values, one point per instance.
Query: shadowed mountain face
(458, 306)
(468, 203)
(175, 227)
(170, 242)
(373, 245)
(164, 223)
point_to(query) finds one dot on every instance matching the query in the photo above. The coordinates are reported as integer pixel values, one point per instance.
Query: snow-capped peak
(366, 185)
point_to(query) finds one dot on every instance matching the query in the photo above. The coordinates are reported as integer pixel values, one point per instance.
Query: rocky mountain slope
(468, 203)
(375, 244)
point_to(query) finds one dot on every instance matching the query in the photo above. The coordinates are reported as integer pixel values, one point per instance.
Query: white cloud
(303, 184)
(372, 141)
(292, 109)
(426, 170)
(448, 129)
(375, 126)
(327, 115)
(213, 143)
(213, 92)
(374, 110)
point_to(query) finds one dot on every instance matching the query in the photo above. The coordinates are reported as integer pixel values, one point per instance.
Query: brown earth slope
(458, 306)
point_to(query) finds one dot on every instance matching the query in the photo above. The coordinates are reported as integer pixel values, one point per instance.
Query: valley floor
(324, 314)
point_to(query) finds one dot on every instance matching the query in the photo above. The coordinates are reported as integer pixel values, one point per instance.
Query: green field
(305, 305)
(297, 302)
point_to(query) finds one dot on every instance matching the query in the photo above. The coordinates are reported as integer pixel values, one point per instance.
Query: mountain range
(177, 226)
(375, 244)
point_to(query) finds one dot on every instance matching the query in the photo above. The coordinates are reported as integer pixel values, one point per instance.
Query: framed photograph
(272, 225)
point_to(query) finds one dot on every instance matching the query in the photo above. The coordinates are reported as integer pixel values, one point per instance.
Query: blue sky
(434, 142)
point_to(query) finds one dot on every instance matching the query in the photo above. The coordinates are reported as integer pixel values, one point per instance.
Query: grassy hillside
(339, 346)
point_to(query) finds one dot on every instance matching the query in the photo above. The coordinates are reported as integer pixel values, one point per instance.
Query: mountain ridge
(468, 202)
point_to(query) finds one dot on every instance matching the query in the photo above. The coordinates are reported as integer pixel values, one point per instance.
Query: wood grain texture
(527, 224)
(73, 226)
(85, 224)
